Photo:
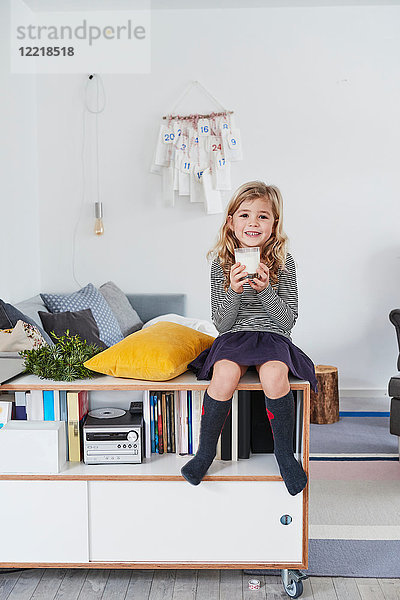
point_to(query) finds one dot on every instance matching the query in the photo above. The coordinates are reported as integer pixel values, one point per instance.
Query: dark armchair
(394, 383)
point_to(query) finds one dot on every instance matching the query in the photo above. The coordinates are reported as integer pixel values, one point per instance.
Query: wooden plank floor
(123, 584)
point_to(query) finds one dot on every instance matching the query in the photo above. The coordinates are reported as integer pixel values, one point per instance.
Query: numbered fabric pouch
(232, 145)
(196, 186)
(213, 200)
(168, 193)
(184, 178)
(221, 174)
(161, 154)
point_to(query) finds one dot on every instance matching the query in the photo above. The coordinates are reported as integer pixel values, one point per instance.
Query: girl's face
(253, 222)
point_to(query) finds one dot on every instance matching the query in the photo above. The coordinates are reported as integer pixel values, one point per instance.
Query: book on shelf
(164, 420)
(235, 425)
(20, 406)
(34, 406)
(172, 420)
(184, 442)
(48, 405)
(78, 407)
(244, 423)
(64, 416)
(147, 423)
(159, 424)
(197, 403)
(226, 438)
(189, 412)
(262, 440)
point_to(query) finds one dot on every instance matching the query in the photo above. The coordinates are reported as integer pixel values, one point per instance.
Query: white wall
(316, 94)
(19, 214)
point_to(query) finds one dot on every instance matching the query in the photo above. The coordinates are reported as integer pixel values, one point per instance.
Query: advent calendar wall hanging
(194, 153)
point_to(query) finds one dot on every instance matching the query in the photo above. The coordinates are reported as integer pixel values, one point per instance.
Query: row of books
(174, 421)
(51, 405)
(172, 424)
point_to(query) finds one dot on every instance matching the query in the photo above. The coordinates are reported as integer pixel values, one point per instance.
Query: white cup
(250, 258)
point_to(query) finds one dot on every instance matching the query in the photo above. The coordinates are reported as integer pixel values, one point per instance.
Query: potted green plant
(63, 361)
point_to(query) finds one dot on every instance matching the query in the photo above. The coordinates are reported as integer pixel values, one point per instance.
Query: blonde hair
(273, 252)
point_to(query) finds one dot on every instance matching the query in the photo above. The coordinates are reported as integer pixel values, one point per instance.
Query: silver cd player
(113, 435)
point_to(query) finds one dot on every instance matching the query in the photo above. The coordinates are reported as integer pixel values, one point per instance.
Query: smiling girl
(254, 318)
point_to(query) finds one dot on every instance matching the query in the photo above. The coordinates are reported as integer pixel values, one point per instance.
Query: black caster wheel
(292, 580)
(294, 589)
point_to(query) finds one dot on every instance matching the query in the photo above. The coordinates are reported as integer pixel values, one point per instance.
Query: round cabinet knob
(132, 436)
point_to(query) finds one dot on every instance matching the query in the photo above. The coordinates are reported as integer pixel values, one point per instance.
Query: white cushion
(197, 324)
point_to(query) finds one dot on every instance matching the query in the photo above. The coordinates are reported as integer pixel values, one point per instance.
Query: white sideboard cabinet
(146, 515)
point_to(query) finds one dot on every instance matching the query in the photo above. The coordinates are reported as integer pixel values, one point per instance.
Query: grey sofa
(147, 306)
(394, 383)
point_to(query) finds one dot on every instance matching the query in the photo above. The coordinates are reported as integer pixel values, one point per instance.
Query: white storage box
(32, 447)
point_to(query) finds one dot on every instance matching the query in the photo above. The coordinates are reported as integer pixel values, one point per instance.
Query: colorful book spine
(152, 421)
(156, 422)
(190, 434)
(177, 423)
(147, 424)
(48, 405)
(168, 422)
(183, 422)
(172, 420)
(64, 415)
(159, 424)
(164, 420)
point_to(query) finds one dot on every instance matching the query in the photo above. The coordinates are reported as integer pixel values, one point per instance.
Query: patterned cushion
(23, 336)
(88, 297)
(9, 315)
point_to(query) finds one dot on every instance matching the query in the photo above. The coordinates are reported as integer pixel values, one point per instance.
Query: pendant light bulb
(98, 213)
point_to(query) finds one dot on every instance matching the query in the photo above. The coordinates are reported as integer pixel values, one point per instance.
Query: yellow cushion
(156, 353)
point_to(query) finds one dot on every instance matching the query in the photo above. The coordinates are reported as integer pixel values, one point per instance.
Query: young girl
(254, 318)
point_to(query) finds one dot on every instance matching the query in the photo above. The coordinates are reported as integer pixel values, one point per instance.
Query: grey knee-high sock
(212, 422)
(281, 417)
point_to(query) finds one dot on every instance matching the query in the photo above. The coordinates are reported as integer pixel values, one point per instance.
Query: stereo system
(113, 435)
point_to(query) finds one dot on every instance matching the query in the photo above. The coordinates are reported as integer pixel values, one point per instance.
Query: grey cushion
(81, 323)
(395, 416)
(9, 315)
(127, 317)
(88, 297)
(394, 387)
(31, 307)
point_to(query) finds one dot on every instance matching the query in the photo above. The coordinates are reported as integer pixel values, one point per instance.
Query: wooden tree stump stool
(324, 406)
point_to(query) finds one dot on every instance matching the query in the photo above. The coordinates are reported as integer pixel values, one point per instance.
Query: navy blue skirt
(250, 348)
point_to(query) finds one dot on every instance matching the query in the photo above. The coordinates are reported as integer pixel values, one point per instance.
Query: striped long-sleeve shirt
(274, 309)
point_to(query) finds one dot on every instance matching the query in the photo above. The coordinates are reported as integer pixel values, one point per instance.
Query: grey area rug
(358, 434)
(349, 558)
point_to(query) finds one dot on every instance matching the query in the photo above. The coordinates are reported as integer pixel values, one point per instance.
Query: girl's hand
(262, 281)
(237, 273)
